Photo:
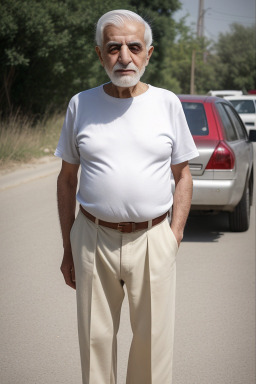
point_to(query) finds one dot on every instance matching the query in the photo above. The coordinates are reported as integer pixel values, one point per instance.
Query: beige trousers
(144, 261)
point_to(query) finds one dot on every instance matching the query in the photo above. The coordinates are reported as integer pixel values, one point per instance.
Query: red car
(223, 173)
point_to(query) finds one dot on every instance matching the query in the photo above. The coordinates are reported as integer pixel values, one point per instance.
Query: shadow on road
(206, 228)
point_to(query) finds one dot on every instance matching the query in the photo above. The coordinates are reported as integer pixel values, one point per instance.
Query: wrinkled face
(124, 54)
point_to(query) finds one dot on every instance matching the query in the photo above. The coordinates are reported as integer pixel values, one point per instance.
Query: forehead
(130, 31)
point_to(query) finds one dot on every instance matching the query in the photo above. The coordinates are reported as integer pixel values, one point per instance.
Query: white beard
(125, 81)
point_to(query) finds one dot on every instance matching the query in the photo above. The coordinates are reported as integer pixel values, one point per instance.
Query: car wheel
(239, 219)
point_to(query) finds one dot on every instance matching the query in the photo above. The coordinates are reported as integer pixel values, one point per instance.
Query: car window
(230, 131)
(237, 123)
(243, 106)
(196, 118)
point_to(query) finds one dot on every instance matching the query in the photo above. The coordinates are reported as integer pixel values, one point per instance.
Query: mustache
(129, 66)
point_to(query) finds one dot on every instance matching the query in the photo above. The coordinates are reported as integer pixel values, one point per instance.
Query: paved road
(215, 321)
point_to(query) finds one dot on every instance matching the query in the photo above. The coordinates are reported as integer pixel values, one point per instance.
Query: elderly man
(127, 136)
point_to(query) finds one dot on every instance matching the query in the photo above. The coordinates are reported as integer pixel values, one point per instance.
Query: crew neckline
(126, 99)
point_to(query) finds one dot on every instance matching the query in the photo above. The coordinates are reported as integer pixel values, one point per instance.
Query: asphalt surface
(215, 318)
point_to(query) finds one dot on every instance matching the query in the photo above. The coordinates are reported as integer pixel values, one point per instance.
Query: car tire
(239, 219)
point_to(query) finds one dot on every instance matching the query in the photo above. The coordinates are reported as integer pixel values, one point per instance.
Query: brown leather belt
(125, 227)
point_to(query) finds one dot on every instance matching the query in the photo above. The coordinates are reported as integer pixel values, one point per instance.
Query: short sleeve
(67, 148)
(184, 147)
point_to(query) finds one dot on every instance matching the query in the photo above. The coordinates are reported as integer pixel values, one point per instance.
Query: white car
(223, 93)
(246, 108)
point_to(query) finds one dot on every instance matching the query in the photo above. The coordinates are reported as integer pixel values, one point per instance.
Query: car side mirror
(252, 135)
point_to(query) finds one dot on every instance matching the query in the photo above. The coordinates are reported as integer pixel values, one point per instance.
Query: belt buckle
(121, 227)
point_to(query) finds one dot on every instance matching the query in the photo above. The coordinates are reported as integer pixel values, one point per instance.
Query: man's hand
(68, 270)
(178, 235)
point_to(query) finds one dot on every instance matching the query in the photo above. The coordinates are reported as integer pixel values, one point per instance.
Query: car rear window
(196, 118)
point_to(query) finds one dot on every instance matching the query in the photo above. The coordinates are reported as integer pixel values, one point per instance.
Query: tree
(178, 58)
(236, 58)
(47, 51)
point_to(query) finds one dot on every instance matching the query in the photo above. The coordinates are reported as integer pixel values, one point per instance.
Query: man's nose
(124, 55)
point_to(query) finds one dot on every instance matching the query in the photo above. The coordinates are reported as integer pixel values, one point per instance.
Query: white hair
(118, 18)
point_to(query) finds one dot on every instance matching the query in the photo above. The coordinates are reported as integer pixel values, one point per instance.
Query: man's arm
(181, 199)
(66, 194)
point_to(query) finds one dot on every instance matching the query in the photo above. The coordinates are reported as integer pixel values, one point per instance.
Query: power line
(210, 33)
(231, 21)
(225, 19)
(229, 14)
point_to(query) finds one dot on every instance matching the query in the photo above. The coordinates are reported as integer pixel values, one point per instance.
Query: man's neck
(125, 93)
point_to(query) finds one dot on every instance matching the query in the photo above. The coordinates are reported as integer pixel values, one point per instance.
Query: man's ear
(150, 51)
(98, 51)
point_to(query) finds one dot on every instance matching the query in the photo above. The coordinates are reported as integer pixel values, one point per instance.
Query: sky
(219, 14)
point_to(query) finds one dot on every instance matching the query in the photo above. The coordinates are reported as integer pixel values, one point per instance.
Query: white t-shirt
(125, 148)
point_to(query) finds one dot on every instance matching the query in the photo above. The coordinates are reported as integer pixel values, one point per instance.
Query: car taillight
(222, 157)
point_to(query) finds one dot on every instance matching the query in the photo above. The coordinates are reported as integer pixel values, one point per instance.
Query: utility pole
(199, 33)
(200, 20)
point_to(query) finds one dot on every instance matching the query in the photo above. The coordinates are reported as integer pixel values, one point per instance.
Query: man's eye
(134, 48)
(114, 49)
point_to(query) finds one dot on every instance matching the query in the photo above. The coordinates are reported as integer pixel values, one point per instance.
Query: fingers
(68, 272)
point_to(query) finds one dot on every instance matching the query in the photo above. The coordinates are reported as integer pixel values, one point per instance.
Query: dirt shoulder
(15, 165)
(15, 174)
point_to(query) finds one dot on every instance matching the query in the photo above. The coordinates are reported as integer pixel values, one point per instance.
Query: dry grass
(21, 140)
